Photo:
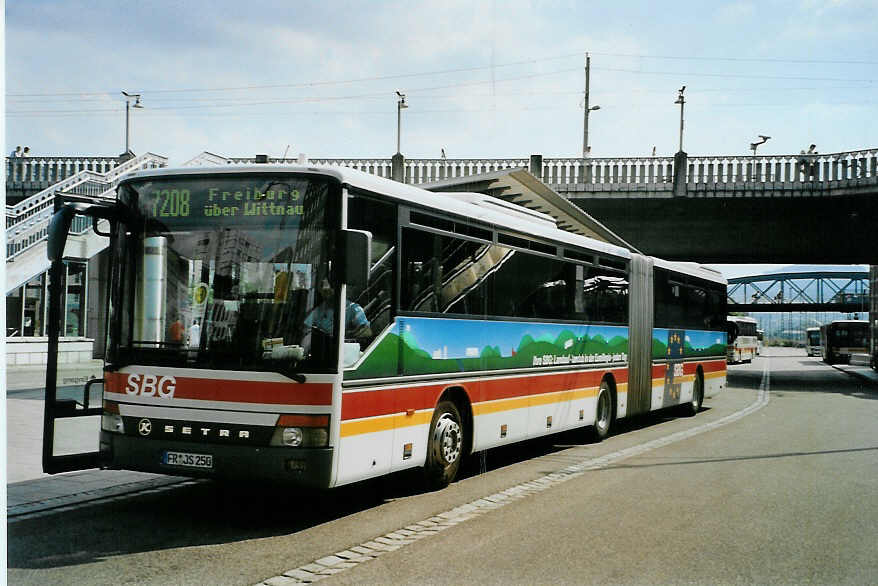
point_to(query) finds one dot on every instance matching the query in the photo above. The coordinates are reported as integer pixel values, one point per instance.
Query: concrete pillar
(397, 167)
(536, 166)
(680, 165)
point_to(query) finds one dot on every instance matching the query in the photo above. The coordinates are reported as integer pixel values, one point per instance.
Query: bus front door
(73, 404)
(73, 399)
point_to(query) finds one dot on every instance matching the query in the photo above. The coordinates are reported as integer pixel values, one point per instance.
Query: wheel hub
(603, 410)
(448, 439)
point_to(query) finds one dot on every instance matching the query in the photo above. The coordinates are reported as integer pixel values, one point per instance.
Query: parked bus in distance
(843, 337)
(760, 339)
(812, 342)
(741, 339)
(350, 326)
(873, 314)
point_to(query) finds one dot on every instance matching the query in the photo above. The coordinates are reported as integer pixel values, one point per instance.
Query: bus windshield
(226, 272)
(850, 335)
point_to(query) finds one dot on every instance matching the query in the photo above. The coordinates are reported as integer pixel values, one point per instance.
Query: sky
(482, 78)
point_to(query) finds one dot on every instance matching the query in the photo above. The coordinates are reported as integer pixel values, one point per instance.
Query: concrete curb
(863, 373)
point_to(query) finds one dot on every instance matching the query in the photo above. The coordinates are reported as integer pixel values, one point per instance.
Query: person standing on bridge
(806, 162)
(812, 161)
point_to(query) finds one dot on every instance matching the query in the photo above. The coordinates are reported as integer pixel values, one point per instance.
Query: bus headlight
(112, 422)
(301, 431)
(292, 436)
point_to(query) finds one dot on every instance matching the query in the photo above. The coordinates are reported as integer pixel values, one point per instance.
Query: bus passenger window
(376, 299)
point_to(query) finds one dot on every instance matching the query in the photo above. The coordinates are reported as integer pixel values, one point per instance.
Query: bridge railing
(608, 171)
(784, 168)
(27, 221)
(622, 173)
(54, 169)
(417, 171)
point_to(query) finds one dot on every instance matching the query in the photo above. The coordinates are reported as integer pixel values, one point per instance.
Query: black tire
(445, 446)
(603, 413)
(692, 408)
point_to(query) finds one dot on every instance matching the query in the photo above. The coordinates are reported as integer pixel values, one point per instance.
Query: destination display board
(233, 200)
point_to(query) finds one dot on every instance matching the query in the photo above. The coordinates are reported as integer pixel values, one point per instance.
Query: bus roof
(466, 205)
(741, 319)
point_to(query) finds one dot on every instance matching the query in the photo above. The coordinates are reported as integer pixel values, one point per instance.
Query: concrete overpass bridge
(734, 209)
(814, 209)
(711, 209)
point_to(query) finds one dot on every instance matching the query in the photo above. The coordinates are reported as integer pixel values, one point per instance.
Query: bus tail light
(111, 419)
(301, 431)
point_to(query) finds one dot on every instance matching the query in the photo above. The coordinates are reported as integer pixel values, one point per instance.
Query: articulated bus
(349, 326)
(812, 342)
(843, 337)
(742, 339)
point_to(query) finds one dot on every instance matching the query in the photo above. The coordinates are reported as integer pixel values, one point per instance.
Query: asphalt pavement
(31, 492)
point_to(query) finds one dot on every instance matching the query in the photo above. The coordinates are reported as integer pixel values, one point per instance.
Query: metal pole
(398, 124)
(682, 103)
(127, 103)
(586, 111)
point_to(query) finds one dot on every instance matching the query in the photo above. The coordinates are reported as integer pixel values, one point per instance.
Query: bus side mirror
(356, 248)
(59, 227)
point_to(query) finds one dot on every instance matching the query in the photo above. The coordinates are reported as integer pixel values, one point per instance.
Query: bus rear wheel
(693, 407)
(444, 446)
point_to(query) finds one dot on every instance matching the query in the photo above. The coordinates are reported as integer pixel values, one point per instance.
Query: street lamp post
(762, 140)
(137, 104)
(585, 148)
(400, 106)
(681, 100)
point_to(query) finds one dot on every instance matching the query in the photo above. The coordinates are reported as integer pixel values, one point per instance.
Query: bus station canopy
(521, 187)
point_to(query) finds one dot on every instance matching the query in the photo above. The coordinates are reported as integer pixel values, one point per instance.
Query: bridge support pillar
(536, 166)
(681, 161)
(397, 167)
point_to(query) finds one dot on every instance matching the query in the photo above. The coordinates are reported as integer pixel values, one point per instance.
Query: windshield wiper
(288, 371)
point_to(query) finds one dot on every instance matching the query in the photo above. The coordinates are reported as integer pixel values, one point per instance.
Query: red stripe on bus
(357, 405)
(713, 366)
(658, 370)
(234, 391)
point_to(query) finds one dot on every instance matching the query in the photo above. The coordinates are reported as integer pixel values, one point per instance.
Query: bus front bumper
(306, 467)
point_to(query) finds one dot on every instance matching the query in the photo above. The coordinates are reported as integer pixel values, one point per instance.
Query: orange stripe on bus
(401, 420)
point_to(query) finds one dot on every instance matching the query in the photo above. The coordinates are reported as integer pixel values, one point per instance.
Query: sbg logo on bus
(150, 385)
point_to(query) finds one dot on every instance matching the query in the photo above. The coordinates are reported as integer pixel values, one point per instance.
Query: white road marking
(350, 558)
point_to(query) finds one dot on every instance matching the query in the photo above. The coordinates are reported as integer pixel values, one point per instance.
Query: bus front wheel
(603, 413)
(444, 446)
